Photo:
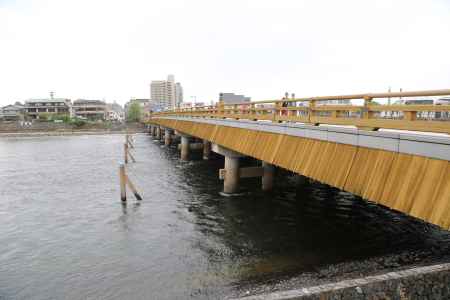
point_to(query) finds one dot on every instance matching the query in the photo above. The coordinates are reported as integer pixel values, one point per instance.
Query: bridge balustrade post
(410, 115)
(221, 109)
(366, 112)
(277, 111)
(311, 106)
(253, 112)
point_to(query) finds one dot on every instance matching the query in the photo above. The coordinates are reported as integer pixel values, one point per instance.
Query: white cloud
(113, 49)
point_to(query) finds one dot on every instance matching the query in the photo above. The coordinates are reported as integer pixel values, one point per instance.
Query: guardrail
(369, 114)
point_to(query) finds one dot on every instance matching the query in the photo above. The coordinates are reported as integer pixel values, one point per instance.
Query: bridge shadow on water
(298, 228)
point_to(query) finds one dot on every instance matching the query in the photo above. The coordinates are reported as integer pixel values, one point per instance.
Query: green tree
(134, 112)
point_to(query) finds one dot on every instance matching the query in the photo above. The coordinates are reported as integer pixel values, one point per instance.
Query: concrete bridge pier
(268, 176)
(185, 147)
(231, 180)
(206, 149)
(231, 173)
(158, 133)
(163, 133)
(167, 137)
(150, 130)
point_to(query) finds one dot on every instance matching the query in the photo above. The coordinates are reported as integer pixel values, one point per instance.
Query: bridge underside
(416, 185)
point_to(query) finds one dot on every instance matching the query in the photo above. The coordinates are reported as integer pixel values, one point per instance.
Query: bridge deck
(406, 172)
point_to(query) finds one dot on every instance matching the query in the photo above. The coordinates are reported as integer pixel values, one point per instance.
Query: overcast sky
(111, 50)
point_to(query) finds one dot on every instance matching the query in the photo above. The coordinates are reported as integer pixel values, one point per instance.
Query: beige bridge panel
(416, 185)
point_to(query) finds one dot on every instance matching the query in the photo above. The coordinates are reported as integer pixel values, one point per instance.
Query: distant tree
(134, 112)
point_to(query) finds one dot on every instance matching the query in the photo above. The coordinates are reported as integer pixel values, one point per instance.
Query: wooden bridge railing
(366, 113)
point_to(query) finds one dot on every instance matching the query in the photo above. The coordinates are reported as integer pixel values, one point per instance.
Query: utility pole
(389, 99)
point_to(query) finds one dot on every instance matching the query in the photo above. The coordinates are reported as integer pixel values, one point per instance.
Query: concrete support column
(231, 180)
(184, 147)
(158, 133)
(268, 175)
(167, 137)
(161, 135)
(206, 149)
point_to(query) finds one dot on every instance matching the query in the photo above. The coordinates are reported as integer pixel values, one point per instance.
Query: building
(418, 102)
(34, 108)
(231, 98)
(13, 112)
(92, 110)
(178, 94)
(443, 101)
(166, 94)
(190, 104)
(114, 112)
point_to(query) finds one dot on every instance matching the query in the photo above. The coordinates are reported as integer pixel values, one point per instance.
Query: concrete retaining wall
(16, 127)
(431, 282)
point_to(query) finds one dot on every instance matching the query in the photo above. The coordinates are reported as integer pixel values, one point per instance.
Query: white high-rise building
(166, 94)
(178, 94)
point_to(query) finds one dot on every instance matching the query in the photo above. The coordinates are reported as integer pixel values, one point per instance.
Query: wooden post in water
(133, 189)
(125, 148)
(123, 182)
(129, 140)
(128, 153)
(131, 156)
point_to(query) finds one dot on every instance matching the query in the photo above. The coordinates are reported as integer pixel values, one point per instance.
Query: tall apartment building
(166, 94)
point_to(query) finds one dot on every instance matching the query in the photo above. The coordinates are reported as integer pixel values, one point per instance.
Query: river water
(65, 235)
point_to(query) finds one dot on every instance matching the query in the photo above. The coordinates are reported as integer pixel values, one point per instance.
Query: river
(64, 233)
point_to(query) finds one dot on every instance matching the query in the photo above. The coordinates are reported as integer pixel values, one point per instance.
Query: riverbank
(291, 283)
(65, 133)
(429, 282)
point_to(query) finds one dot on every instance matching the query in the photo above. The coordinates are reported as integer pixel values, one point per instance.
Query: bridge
(395, 155)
